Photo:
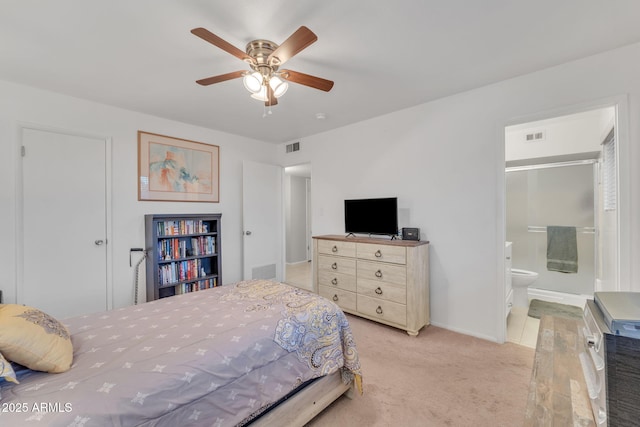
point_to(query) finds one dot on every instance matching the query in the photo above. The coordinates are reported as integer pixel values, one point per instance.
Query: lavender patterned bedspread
(216, 357)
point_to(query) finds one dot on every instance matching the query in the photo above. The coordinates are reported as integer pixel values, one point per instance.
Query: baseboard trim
(462, 331)
(298, 262)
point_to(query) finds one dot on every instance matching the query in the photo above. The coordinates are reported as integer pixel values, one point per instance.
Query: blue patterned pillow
(6, 371)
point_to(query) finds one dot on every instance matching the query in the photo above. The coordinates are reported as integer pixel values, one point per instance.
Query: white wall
(566, 135)
(24, 104)
(445, 162)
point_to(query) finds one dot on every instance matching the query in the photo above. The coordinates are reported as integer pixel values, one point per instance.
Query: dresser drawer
(385, 253)
(332, 279)
(382, 272)
(383, 290)
(332, 247)
(337, 264)
(383, 310)
(345, 299)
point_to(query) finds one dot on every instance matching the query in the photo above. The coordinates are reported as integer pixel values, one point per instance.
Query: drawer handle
(334, 281)
(335, 297)
(378, 273)
(334, 249)
(379, 310)
(378, 290)
(334, 266)
(378, 254)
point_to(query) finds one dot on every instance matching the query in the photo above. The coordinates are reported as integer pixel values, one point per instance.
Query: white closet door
(64, 223)
(262, 218)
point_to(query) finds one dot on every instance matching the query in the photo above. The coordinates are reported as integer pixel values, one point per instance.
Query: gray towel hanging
(562, 249)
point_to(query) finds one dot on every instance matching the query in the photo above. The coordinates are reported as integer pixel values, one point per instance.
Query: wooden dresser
(382, 280)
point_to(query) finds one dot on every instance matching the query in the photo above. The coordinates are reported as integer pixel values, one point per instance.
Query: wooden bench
(558, 392)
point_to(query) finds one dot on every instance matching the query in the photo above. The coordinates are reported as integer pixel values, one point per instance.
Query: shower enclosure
(542, 195)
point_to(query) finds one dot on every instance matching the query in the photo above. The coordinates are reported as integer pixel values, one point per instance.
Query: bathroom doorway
(558, 172)
(551, 194)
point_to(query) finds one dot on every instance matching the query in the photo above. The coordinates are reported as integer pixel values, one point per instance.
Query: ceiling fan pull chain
(266, 111)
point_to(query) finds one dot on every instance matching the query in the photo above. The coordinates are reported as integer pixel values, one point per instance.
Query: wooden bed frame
(303, 406)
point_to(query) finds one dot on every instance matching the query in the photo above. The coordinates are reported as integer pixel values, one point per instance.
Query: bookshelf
(183, 253)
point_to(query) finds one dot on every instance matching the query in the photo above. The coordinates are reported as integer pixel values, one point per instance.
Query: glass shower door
(553, 195)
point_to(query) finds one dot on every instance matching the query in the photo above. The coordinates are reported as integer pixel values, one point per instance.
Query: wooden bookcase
(183, 253)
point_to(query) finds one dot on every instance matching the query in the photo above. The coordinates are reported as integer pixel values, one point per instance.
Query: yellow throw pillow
(34, 339)
(6, 371)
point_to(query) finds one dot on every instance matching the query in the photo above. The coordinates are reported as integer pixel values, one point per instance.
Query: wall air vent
(266, 272)
(293, 147)
(534, 136)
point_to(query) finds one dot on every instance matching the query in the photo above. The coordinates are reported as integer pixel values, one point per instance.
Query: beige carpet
(439, 378)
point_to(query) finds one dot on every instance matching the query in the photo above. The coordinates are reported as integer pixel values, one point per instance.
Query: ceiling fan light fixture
(261, 95)
(253, 82)
(278, 85)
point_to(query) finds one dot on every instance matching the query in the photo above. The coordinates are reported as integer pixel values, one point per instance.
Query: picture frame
(177, 170)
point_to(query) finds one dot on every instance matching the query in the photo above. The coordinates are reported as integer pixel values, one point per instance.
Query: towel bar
(541, 229)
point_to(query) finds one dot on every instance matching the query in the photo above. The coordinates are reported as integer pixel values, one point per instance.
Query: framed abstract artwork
(177, 170)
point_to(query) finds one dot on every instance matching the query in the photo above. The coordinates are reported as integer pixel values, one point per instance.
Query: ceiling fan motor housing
(260, 50)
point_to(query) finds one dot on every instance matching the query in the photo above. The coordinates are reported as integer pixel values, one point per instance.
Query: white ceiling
(382, 56)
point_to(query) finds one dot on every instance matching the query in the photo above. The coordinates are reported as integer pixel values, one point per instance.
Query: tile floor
(521, 329)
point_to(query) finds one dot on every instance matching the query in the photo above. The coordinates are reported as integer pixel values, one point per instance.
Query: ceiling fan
(266, 82)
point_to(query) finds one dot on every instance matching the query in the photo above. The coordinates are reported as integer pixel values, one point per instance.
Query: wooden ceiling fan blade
(208, 36)
(221, 78)
(296, 42)
(307, 80)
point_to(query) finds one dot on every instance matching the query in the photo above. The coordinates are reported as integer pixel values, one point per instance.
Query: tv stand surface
(391, 236)
(386, 281)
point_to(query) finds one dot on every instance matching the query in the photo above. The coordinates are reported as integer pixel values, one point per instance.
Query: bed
(255, 352)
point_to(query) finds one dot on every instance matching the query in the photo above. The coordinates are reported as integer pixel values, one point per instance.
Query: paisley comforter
(216, 357)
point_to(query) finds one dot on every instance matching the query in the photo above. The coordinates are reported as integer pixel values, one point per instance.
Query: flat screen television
(371, 216)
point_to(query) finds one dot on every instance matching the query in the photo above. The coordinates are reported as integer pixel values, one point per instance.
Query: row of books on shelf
(196, 286)
(179, 271)
(185, 226)
(169, 249)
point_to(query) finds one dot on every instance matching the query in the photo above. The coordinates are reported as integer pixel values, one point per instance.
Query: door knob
(99, 242)
(248, 233)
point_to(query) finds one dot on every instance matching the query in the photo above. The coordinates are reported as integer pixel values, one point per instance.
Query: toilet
(520, 280)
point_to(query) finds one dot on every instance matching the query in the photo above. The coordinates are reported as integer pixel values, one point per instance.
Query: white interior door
(64, 226)
(262, 221)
